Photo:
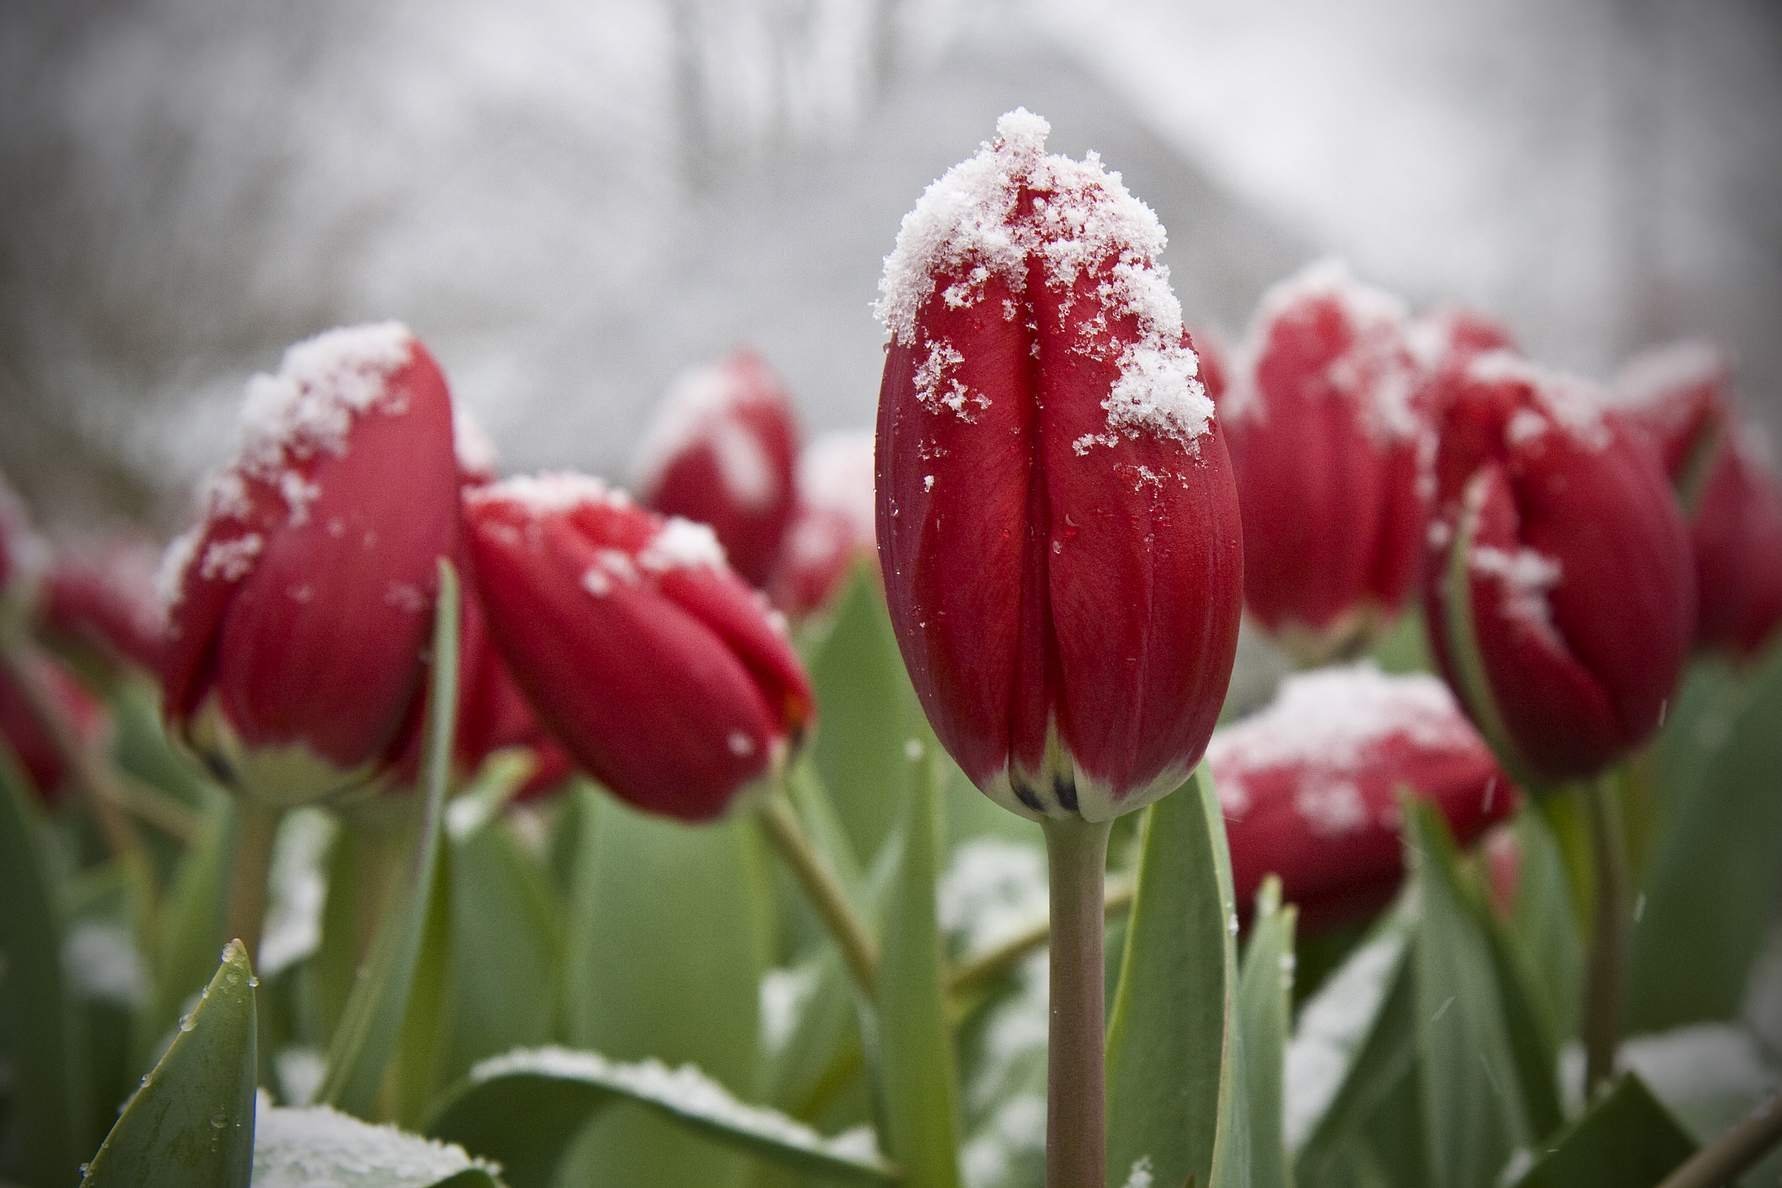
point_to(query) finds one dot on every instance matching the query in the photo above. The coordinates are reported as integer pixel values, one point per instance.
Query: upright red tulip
(100, 598)
(1681, 397)
(1057, 523)
(722, 452)
(832, 530)
(1311, 785)
(1331, 443)
(656, 667)
(1560, 598)
(29, 738)
(300, 604)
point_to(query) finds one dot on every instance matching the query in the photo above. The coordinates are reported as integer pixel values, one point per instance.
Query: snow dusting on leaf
(315, 1145)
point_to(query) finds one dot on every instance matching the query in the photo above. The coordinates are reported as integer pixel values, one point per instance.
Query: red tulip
(1564, 624)
(721, 452)
(1311, 785)
(301, 602)
(832, 530)
(1057, 523)
(101, 598)
(653, 664)
(1331, 443)
(26, 735)
(1681, 397)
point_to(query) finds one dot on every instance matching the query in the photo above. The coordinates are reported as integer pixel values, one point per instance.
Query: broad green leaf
(191, 928)
(524, 1108)
(1265, 993)
(417, 1073)
(1700, 921)
(1171, 1082)
(1545, 926)
(192, 1121)
(1353, 1045)
(918, 1081)
(1471, 1115)
(300, 1148)
(47, 1047)
(1627, 1137)
(1534, 1045)
(869, 712)
(504, 951)
(371, 1023)
(670, 930)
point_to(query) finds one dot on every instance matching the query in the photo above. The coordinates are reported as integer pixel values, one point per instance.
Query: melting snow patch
(315, 1145)
(1525, 577)
(103, 964)
(550, 492)
(681, 544)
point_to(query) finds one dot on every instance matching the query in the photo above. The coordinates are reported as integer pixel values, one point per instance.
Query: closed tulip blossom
(31, 740)
(832, 529)
(654, 665)
(1056, 519)
(1681, 397)
(1311, 785)
(1560, 597)
(299, 606)
(1331, 443)
(721, 451)
(100, 599)
(1058, 532)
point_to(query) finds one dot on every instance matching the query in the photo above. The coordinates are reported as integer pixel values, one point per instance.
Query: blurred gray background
(570, 201)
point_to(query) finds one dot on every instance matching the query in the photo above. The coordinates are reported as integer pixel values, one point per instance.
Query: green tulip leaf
(524, 1108)
(371, 1023)
(192, 1121)
(1265, 993)
(1627, 1137)
(1172, 1079)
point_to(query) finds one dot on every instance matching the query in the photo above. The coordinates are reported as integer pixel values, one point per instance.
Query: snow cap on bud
(299, 606)
(1559, 597)
(1311, 785)
(29, 738)
(657, 668)
(1681, 397)
(721, 452)
(1057, 524)
(832, 529)
(1331, 443)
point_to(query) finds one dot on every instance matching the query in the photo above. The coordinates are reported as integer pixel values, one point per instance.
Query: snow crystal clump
(551, 492)
(316, 1145)
(974, 224)
(701, 409)
(681, 544)
(1331, 809)
(473, 447)
(1572, 403)
(1332, 717)
(322, 383)
(1525, 577)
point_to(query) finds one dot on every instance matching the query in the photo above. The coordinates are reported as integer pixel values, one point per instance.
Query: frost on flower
(701, 409)
(1525, 577)
(1569, 403)
(1015, 213)
(681, 544)
(1655, 377)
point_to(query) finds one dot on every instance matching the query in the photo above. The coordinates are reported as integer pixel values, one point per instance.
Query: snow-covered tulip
(721, 451)
(299, 606)
(1057, 523)
(653, 664)
(832, 530)
(1331, 444)
(99, 599)
(1681, 397)
(1311, 785)
(31, 741)
(1560, 599)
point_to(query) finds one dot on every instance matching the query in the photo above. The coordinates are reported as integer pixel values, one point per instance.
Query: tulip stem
(788, 838)
(1076, 1088)
(256, 825)
(1608, 937)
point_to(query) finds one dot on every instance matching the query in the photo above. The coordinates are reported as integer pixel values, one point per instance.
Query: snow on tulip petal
(1310, 785)
(721, 451)
(1331, 440)
(299, 606)
(1056, 521)
(656, 667)
(1577, 577)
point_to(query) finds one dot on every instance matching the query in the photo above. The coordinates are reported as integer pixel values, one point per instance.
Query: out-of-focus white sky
(570, 201)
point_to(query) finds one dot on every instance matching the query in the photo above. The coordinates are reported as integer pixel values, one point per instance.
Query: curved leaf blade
(192, 1121)
(1265, 993)
(1627, 1137)
(1172, 1075)
(298, 1148)
(524, 1108)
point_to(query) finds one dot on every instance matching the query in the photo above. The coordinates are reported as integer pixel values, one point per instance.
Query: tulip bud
(300, 604)
(1680, 396)
(646, 657)
(1331, 445)
(721, 452)
(832, 530)
(29, 738)
(1310, 785)
(1559, 598)
(99, 600)
(1057, 523)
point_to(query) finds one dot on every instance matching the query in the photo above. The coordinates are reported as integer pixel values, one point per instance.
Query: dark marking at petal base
(1065, 789)
(1028, 797)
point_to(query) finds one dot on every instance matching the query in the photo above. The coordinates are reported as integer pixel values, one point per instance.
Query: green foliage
(1627, 1137)
(1265, 993)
